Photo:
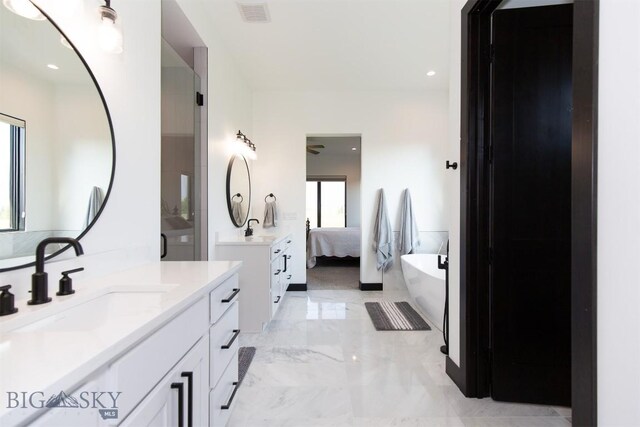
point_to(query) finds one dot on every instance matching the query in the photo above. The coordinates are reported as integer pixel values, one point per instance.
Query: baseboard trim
(456, 374)
(370, 286)
(297, 287)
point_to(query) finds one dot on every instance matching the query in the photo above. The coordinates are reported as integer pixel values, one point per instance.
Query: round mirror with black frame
(57, 148)
(238, 190)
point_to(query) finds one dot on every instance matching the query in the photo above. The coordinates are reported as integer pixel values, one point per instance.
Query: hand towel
(409, 234)
(270, 215)
(95, 202)
(238, 212)
(382, 235)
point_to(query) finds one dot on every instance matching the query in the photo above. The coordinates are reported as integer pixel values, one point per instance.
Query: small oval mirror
(238, 190)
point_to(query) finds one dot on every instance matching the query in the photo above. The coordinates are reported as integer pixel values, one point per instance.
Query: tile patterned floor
(321, 363)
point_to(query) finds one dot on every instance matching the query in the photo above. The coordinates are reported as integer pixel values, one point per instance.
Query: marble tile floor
(321, 363)
(327, 277)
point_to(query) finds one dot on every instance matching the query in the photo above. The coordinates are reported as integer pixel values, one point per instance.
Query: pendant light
(109, 33)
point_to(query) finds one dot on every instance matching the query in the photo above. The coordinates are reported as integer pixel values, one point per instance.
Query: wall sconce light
(24, 8)
(109, 33)
(245, 146)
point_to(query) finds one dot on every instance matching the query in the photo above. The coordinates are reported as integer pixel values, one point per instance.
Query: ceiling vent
(254, 12)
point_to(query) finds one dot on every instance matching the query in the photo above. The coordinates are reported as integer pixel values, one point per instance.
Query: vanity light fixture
(431, 73)
(245, 146)
(24, 8)
(109, 33)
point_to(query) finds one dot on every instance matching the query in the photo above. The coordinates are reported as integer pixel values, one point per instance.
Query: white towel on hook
(409, 235)
(382, 235)
(270, 215)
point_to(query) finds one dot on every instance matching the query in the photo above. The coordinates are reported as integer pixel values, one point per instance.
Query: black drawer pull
(180, 388)
(288, 241)
(189, 377)
(288, 277)
(277, 300)
(236, 332)
(228, 405)
(277, 252)
(232, 296)
(277, 272)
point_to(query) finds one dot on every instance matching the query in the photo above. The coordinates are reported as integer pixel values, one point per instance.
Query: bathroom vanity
(264, 277)
(156, 345)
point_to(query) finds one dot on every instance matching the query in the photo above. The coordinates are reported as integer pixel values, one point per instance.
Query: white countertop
(256, 240)
(39, 351)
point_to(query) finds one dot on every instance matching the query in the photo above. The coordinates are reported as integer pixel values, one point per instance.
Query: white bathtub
(426, 285)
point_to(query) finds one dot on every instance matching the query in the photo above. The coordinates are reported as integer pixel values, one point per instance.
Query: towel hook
(270, 195)
(453, 165)
(238, 195)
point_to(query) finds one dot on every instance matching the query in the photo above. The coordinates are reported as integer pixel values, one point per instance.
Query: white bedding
(330, 241)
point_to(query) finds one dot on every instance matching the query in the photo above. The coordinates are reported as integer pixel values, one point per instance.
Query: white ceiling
(335, 145)
(339, 44)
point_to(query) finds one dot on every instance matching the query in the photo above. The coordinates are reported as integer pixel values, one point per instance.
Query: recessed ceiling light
(353, 149)
(53, 66)
(431, 73)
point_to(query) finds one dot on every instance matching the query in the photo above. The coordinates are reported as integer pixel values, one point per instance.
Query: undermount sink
(106, 310)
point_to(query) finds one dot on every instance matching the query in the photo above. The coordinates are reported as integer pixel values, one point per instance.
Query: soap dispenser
(7, 301)
(66, 283)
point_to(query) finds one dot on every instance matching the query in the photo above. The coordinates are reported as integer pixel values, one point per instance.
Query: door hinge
(199, 99)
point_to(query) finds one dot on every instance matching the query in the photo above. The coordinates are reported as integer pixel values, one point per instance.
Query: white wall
(349, 166)
(403, 145)
(127, 232)
(230, 110)
(619, 214)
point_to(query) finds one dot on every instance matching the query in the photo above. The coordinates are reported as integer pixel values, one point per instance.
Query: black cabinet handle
(285, 262)
(289, 277)
(277, 272)
(180, 388)
(189, 377)
(277, 300)
(236, 332)
(277, 251)
(164, 245)
(231, 297)
(228, 405)
(288, 241)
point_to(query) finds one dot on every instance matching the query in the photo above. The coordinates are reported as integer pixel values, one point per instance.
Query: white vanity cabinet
(264, 277)
(183, 373)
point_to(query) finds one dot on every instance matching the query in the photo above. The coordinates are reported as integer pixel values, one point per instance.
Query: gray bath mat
(245, 357)
(395, 316)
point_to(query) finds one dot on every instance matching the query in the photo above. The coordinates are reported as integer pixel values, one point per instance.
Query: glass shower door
(180, 213)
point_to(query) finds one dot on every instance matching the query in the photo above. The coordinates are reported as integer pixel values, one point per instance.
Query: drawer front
(222, 297)
(138, 371)
(276, 251)
(223, 334)
(222, 398)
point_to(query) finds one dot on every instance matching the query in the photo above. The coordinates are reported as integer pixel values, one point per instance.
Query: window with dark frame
(12, 173)
(327, 201)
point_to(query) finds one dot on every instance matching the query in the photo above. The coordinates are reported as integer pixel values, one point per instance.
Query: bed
(332, 242)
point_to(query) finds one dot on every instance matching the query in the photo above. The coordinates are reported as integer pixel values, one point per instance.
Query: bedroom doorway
(333, 212)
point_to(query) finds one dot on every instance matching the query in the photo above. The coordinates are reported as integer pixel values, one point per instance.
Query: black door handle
(164, 245)
(180, 388)
(228, 405)
(230, 297)
(189, 377)
(236, 332)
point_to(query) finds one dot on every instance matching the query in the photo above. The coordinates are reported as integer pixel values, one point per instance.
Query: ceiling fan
(313, 148)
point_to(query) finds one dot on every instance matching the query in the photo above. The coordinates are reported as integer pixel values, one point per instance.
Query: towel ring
(238, 195)
(270, 195)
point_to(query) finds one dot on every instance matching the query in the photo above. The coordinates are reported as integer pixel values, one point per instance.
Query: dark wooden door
(531, 205)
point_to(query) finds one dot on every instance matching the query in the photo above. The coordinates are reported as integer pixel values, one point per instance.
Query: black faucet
(249, 231)
(39, 283)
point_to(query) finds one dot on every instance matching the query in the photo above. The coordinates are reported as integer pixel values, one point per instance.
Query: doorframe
(472, 376)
